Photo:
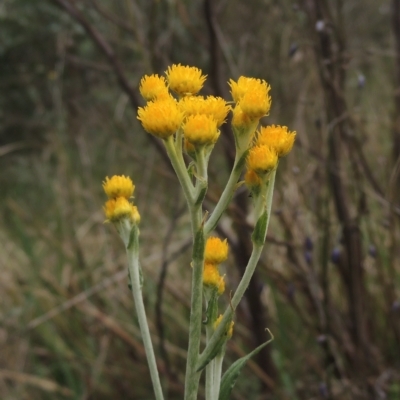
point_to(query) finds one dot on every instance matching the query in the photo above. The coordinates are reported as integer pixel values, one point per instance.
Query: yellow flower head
(251, 179)
(118, 186)
(262, 159)
(229, 330)
(161, 118)
(185, 80)
(211, 276)
(255, 104)
(153, 87)
(215, 107)
(200, 129)
(119, 208)
(277, 137)
(246, 85)
(216, 250)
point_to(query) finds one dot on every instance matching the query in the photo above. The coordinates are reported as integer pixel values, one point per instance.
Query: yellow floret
(200, 129)
(252, 179)
(211, 276)
(221, 285)
(118, 186)
(216, 250)
(212, 106)
(153, 87)
(185, 80)
(240, 120)
(262, 159)
(255, 104)
(161, 118)
(276, 137)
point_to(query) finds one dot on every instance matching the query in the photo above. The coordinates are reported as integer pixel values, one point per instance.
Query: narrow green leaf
(212, 307)
(201, 195)
(230, 377)
(133, 243)
(214, 352)
(258, 236)
(198, 245)
(219, 345)
(141, 279)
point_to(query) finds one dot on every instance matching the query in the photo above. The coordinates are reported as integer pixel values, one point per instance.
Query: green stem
(209, 370)
(192, 376)
(226, 194)
(217, 374)
(178, 143)
(180, 170)
(270, 194)
(201, 163)
(244, 283)
(134, 273)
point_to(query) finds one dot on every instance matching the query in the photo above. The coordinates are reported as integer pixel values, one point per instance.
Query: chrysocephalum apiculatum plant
(188, 122)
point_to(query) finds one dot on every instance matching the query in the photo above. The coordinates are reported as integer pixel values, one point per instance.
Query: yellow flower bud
(200, 129)
(185, 80)
(117, 209)
(161, 118)
(215, 107)
(216, 250)
(153, 87)
(261, 159)
(277, 137)
(255, 104)
(246, 85)
(118, 186)
(211, 276)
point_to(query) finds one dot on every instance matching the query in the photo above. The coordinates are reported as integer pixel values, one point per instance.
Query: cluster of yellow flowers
(215, 253)
(119, 189)
(199, 118)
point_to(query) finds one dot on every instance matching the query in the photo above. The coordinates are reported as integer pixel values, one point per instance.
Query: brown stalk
(330, 51)
(396, 122)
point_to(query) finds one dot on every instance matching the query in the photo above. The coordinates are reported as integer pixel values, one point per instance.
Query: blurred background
(328, 282)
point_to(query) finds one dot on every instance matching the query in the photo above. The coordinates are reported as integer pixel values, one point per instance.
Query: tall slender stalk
(132, 251)
(244, 283)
